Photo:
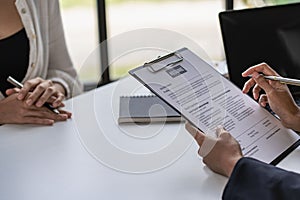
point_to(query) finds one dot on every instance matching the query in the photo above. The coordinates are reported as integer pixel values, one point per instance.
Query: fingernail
(39, 104)
(193, 133)
(56, 104)
(20, 96)
(29, 101)
(255, 97)
(255, 75)
(244, 88)
(191, 130)
(220, 127)
(219, 130)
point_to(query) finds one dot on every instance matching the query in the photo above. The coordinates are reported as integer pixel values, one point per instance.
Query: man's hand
(225, 153)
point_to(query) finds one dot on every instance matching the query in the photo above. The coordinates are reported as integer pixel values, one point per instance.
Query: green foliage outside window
(270, 2)
(282, 1)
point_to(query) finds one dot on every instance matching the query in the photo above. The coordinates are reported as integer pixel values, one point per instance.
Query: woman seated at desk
(33, 50)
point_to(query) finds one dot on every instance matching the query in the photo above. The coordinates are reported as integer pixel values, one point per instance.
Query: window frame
(102, 32)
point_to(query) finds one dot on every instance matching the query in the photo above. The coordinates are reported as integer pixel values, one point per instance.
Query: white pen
(283, 80)
(20, 85)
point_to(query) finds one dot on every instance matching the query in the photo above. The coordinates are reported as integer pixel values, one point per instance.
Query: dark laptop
(268, 34)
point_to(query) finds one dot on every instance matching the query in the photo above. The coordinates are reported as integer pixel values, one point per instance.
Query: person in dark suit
(250, 178)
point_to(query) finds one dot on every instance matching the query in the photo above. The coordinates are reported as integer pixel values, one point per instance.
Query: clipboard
(161, 76)
(173, 64)
(162, 63)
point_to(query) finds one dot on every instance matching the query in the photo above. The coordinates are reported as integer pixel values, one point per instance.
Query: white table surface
(91, 157)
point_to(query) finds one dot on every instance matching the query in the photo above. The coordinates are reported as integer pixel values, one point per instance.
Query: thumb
(262, 82)
(220, 129)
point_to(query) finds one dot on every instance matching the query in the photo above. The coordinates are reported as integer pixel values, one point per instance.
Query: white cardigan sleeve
(60, 68)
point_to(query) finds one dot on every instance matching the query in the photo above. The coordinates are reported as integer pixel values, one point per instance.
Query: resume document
(206, 99)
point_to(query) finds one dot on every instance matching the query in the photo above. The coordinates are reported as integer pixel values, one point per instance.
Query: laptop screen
(268, 34)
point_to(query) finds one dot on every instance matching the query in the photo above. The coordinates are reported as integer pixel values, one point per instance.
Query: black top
(14, 58)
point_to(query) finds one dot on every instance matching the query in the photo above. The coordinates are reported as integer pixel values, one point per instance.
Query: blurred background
(195, 19)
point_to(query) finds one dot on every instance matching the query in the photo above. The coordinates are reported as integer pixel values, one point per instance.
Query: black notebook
(146, 109)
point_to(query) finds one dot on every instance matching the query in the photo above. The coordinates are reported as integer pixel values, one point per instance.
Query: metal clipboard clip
(163, 62)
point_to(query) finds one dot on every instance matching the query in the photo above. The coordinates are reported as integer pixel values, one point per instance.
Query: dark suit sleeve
(252, 179)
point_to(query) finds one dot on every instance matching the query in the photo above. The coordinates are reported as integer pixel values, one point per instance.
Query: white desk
(85, 158)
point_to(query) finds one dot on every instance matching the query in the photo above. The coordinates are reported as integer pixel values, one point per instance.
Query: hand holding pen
(277, 95)
(20, 86)
(14, 111)
(288, 81)
(39, 91)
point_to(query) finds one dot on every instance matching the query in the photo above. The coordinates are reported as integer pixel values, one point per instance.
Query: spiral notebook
(146, 109)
